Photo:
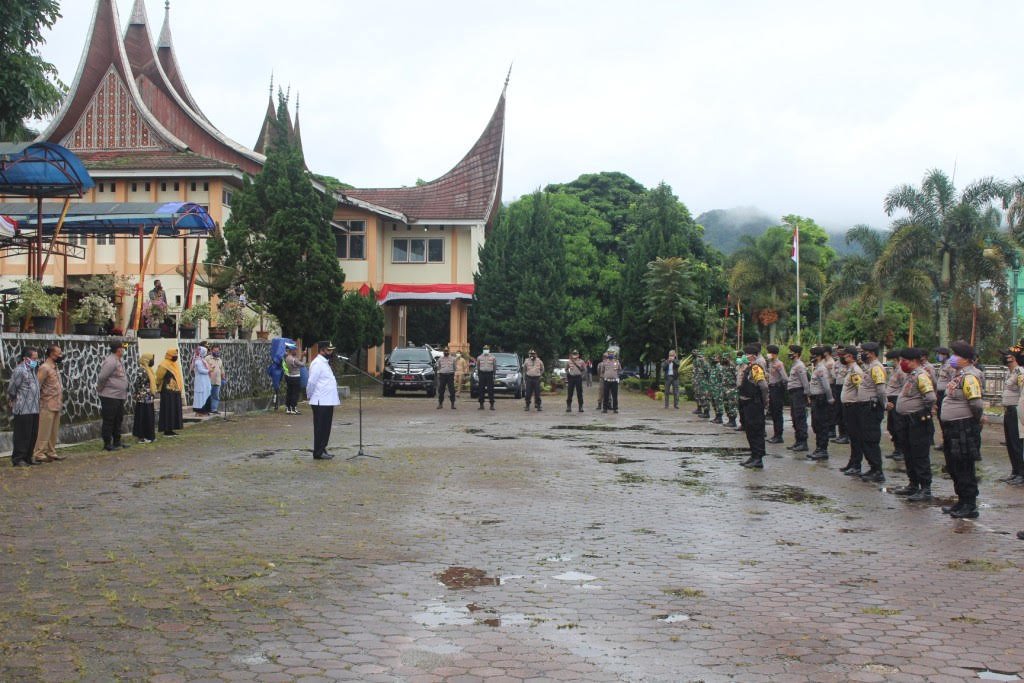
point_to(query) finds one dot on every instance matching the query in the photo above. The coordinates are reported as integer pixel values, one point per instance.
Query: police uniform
(776, 392)
(942, 375)
(799, 387)
(485, 365)
(960, 419)
(1011, 428)
(753, 393)
(701, 372)
(574, 372)
(821, 404)
(446, 378)
(533, 368)
(914, 409)
(854, 376)
(893, 386)
(872, 410)
(610, 371)
(729, 389)
(838, 371)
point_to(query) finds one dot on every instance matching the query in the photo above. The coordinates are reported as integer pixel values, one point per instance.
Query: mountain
(723, 228)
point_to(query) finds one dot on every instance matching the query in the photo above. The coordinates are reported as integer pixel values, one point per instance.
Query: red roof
(470, 191)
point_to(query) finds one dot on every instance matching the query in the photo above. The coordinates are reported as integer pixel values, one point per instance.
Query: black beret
(894, 353)
(758, 345)
(796, 348)
(817, 350)
(852, 350)
(751, 349)
(772, 348)
(870, 347)
(911, 353)
(942, 349)
(963, 349)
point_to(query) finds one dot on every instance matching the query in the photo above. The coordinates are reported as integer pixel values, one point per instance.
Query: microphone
(344, 358)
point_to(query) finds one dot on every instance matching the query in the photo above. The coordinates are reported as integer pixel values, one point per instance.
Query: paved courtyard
(498, 546)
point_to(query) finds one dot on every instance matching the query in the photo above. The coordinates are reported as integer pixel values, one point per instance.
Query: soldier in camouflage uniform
(730, 395)
(716, 395)
(701, 370)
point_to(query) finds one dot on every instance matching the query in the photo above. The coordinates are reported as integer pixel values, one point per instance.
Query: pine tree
(280, 238)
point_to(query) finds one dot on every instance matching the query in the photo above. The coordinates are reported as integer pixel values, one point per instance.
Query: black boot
(908, 490)
(818, 455)
(925, 494)
(718, 419)
(950, 509)
(774, 439)
(754, 463)
(968, 511)
(799, 447)
(731, 422)
(875, 476)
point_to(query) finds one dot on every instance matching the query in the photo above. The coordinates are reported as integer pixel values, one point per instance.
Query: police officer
(853, 377)
(892, 391)
(821, 403)
(574, 372)
(670, 368)
(1013, 357)
(776, 391)
(872, 409)
(701, 377)
(753, 395)
(533, 368)
(715, 388)
(610, 371)
(838, 370)
(942, 374)
(485, 364)
(799, 388)
(960, 418)
(914, 408)
(445, 378)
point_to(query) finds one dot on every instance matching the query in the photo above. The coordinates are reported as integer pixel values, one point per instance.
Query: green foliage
(29, 86)
(362, 323)
(428, 323)
(725, 228)
(193, 314)
(280, 239)
(331, 183)
(613, 196)
(230, 313)
(93, 309)
(35, 302)
(669, 293)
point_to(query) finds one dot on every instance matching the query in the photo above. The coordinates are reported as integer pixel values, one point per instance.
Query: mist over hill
(724, 228)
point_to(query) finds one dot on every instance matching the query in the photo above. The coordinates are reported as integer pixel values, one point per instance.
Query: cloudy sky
(791, 107)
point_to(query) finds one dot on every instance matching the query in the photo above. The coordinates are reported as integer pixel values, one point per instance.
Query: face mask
(58, 360)
(174, 359)
(905, 365)
(215, 354)
(954, 361)
(33, 364)
(941, 358)
(486, 351)
(150, 362)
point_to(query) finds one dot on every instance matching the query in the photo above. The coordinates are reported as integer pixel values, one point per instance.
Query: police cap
(892, 354)
(851, 350)
(911, 353)
(941, 350)
(963, 349)
(870, 347)
(752, 349)
(796, 348)
(772, 348)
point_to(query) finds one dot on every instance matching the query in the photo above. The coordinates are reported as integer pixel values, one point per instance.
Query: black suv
(409, 369)
(508, 378)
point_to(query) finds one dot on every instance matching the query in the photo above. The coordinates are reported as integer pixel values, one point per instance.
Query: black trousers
(112, 414)
(611, 396)
(851, 418)
(485, 386)
(753, 425)
(445, 381)
(292, 387)
(533, 391)
(837, 410)
(26, 430)
(821, 422)
(1011, 430)
(961, 444)
(798, 414)
(870, 425)
(776, 398)
(574, 383)
(895, 433)
(322, 418)
(915, 437)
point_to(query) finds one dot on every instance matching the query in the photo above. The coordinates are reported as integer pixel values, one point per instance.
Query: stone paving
(499, 546)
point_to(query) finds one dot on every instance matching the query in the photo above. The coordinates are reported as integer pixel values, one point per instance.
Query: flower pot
(187, 332)
(263, 334)
(91, 329)
(244, 334)
(219, 332)
(149, 333)
(43, 324)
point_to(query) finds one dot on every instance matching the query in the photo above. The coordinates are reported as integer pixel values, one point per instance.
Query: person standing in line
(753, 395)
(821, 404)
(200, 381)
(914, 405)
(574, 373)
(853, 377)
(217, 377)
(701, 375)
(776, 391)
(445, 378)
(322, 390)
(893, 387)
(1013, 357)
(942, 374)
(728, 389)
(960, 417)
(23, 397)
(461, 372)
(171, 382)
(872, 401)
(799, 388)
(716, 380)
(533, 368)
(610, 371)
(670, 368)
(292, 365)
(51, 401)
(485, 366)
(589, 374)
(144, 418)
(112, 387)
(838, 370)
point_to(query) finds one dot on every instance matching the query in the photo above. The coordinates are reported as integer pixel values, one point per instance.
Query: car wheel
(519, 392)
(473, 393)
(388, 392)
(431, 393)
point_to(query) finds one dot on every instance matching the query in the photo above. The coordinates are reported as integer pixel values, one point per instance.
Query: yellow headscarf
(144, 360)
(174, 368)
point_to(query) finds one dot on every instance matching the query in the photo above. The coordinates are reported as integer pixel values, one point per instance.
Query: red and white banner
(796, 245)
(8, 226)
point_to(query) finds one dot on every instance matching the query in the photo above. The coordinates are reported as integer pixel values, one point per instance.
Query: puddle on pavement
(673, 618)
(473, 430)
(559, 558)
(574, 576)
(633, 478)
(990, 675)
(252, 659)
(785, 493)
(603, 428)
(466, 577)
(863, 530)
(616, 460)
(439, 614)
(165, 477)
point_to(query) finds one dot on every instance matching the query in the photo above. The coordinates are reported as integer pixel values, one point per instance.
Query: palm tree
(941, 229)
(669, 292)
(854, 276)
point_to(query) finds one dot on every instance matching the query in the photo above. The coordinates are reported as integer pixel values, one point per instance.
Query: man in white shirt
(322, 391)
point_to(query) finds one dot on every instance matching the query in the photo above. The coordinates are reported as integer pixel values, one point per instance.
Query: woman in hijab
(200, 382)
(170, 382)
(144, 425)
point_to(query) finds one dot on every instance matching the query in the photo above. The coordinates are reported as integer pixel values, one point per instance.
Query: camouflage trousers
(725, 402)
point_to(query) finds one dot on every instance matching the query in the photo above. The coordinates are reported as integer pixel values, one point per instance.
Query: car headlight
(512, 375)
(428, 373)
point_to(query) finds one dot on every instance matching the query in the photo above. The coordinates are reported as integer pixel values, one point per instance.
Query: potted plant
(35, 303)
(189, 319)
(154, 312)
(249, 323)
(229, 316)
(12, 323)
(92, 314)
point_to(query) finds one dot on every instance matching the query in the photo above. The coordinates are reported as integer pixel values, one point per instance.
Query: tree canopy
(29, 86)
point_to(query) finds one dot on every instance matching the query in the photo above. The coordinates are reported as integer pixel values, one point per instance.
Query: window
(226, 196)
(177, 186)
(351, 245)
(102, 240)
(135, 187)
(70, 238)
(206, 187)
(163, 187)
(417, 250)
(147, 187)
(113, 187)
(193, 187)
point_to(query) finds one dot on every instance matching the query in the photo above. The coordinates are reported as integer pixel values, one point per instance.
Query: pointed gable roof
(267, 125)
(469, 191)
(169, 62)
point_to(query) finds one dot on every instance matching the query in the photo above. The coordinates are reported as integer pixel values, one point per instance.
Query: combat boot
(799, 447)
(754, 463)
(718, 419)
(875, 476)
(950, 509)
(924, 494)
(818, 455)
(731, 422)
(908, 490)
(968, 511)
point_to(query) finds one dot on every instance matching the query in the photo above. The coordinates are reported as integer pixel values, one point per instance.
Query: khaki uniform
(51, 401)
(461, 372)
(485, 365)
(574, 373)
(445, 379)
(533, 368)
(611, 368)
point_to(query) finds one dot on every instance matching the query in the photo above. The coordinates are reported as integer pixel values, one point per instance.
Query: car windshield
(506, 360)
(410, 356)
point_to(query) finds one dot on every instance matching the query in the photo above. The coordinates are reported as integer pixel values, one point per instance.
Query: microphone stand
(359, 392)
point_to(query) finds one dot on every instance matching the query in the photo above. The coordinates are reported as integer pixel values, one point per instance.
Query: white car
(560, 365)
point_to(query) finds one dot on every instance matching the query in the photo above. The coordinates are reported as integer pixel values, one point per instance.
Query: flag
(796, 245)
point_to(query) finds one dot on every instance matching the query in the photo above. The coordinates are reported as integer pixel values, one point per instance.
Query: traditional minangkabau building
(131, 119)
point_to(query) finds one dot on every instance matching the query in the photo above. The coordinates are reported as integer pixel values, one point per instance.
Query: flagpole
(796, 257)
